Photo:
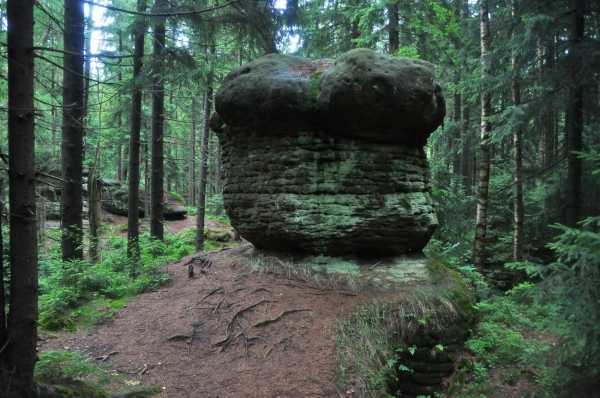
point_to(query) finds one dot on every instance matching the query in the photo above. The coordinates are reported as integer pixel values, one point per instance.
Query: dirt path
(268, 336)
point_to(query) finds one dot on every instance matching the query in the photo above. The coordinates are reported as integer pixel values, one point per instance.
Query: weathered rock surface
(327, 158)
(115, 200)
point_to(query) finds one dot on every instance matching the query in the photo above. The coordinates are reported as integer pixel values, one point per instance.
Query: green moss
(177, 196)
(76, 388)
(117, 304)
(314, 85)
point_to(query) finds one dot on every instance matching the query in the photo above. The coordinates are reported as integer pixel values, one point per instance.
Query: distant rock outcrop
(115, 198)
(327, 157)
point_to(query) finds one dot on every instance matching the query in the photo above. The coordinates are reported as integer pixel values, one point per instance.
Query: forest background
(516, 156)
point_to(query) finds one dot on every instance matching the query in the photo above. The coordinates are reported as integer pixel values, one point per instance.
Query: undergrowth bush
(571, 286)
(65, 286)
(64, 364)
(508, 332)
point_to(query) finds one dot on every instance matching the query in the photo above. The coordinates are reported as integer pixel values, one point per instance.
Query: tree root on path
(286, 312)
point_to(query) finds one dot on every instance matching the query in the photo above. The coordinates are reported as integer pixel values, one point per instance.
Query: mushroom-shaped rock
(326, 157)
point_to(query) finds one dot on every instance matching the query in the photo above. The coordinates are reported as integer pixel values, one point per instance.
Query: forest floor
(226, 332)
(257, 335)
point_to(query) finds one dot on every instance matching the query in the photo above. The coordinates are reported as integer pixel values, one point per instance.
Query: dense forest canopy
(122, 90)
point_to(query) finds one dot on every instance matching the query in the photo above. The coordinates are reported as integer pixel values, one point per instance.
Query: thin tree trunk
(121, 167)
(203, 166)
(394, 40)
(456, 138)
(87, 64)
(133, 222)
(573, 214)
(145, 157)
(18, 356)
(354, 32)
(71, 198)
(94, 196)
(518, 156)
(486, 128)
(119, 160)
(158, 131)
(192, 169)
(3, 331)
(466, 150)
(218, 170)
(210, 188)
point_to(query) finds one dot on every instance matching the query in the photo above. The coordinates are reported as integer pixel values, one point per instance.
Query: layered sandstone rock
(327, 158)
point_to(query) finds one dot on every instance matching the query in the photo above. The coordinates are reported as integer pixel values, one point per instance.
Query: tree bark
(133, 222)
(394, 39)
(71, 198)
(122, 154)
(573, 213)
(192, 169)
(354, 31)
(94, 206)
(456, 138)
(158, 131)
(484, 157)
(218, 169)
(203, 166)
(518, 160)
(466, 150)
(17, 359)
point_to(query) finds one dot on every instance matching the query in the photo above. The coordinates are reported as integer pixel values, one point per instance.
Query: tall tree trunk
(203, 166)
(466, 150)
(18, 356)
(484, 157)
(218, 168)
(456, 138)
(71, 198)
(394, 39)
(573, 214)
(133, 222)
(119, 160)
(158, 131)
(145, 158)
(121, 167)
(192, 169)
(87, 64)
(354, 32)
(518, 159)
(94, 207)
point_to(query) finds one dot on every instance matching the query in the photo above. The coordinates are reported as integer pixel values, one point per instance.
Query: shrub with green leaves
(64, 364)
(571, 285)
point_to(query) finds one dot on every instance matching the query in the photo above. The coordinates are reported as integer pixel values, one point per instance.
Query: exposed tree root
(286, 312)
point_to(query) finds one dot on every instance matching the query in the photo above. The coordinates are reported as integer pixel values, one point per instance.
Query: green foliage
(177, 196)
(64, 364)
(408, 51)
(504, 334)
(65, 286)
(507, 340)
(571, 285)
(374, 340)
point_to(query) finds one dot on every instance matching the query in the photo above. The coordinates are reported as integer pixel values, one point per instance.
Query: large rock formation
(327, 157)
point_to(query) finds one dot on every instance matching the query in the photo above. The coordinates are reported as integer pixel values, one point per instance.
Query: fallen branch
(105, 357)
(286, 312)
